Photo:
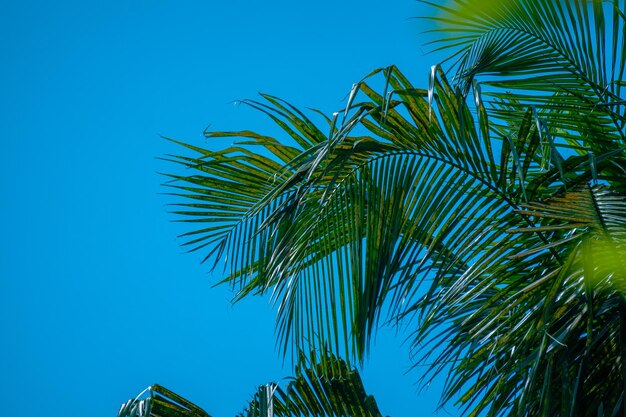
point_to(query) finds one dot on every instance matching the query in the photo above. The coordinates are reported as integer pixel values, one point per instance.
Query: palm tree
(486, 212)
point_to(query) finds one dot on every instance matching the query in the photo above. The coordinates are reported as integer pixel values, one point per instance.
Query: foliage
(158, 401)
(487, 212)
(316, 392)
(331, 390)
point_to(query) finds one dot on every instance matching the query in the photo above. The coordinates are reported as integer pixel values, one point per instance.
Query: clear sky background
(97, 298)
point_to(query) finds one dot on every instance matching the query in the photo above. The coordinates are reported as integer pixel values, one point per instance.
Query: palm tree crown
(487, 212)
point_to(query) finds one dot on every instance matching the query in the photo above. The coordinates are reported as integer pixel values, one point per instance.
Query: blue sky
(97, 298)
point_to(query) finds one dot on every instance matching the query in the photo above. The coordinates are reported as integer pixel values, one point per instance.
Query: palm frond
(564, 58)
(314, 392)
(536, 331)
(158, 401)
(399, 200)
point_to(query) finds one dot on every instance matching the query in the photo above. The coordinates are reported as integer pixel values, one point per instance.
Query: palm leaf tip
(158, 401)
(313, 391)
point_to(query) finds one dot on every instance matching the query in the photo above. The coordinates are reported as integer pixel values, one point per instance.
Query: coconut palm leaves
(329, 390)
(543, 334)
(353, 222)
(492, 222)
(349, 229)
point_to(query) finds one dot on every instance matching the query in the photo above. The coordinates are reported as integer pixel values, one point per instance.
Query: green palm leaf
(314, 392)
(158, 401)
(305, 233)
(565, 58)
(331, 389)
(538, 329)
